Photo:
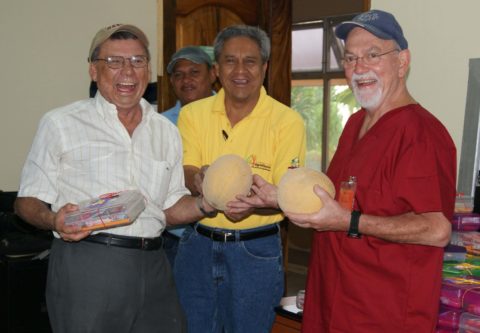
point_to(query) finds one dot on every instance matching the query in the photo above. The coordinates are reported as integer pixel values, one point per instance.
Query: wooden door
(195, 22)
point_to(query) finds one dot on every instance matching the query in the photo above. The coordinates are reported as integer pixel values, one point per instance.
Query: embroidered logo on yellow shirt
(294, 163)
(255, 164)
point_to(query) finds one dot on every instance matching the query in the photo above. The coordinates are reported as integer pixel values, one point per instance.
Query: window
(319, 90)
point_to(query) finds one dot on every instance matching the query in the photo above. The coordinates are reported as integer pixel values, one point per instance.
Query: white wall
(442, 36)
(44, 63)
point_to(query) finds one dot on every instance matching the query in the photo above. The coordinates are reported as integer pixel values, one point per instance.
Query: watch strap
(353, 229)
(198, 200)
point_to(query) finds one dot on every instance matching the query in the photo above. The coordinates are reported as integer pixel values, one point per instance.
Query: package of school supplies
(448, 318)
(107, 211)
(469, 323)
(466, 222)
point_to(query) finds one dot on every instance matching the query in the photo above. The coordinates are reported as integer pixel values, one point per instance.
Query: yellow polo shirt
(271, 139)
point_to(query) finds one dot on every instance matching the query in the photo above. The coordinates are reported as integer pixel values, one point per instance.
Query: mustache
(364, 76)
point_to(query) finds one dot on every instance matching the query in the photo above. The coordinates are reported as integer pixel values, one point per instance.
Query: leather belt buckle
(226, 235)
(230, 236)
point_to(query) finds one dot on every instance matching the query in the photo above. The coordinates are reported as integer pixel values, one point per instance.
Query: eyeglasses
(117, 62)
(371, 58)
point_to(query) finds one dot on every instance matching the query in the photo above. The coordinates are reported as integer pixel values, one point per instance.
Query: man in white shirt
(119, 279)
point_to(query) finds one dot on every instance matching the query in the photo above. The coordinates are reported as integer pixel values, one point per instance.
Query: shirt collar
(109, 110)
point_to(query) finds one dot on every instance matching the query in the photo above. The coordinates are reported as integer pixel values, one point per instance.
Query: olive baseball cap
(105, 33)
(194, 54)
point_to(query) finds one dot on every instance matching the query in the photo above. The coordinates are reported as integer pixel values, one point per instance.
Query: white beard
(367, 99)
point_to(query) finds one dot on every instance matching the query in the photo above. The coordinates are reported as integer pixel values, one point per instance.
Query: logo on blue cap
(377, 22)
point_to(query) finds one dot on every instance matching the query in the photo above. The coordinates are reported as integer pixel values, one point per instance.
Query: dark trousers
(99, 288)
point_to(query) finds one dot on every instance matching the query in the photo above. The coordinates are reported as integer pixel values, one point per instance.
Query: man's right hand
(37, 213)
(68, 233)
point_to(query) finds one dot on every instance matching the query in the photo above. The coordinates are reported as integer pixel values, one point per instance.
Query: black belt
(126, 241)
(235, 235)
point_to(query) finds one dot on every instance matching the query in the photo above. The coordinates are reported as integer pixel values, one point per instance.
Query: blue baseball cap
(377, 22)
(194, 54)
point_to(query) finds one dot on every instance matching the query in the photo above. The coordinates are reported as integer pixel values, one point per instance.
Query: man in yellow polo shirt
(229, 269)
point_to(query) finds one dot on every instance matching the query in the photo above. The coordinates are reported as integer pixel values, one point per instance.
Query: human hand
(262, 194)
(68, 233)
(237, 211)
(331, 217)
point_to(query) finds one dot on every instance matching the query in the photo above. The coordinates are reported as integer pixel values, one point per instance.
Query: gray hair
(254, 33)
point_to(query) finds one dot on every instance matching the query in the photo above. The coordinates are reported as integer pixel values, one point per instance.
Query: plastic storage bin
(107, 211)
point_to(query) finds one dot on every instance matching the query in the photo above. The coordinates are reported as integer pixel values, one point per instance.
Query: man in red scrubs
(378, 268)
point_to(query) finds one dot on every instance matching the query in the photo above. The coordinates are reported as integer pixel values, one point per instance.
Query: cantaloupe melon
(228, 176)
(295, 190)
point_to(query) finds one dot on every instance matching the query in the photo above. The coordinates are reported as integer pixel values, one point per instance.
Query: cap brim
(195, 60)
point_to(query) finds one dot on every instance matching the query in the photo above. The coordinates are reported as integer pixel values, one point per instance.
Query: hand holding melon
(228, 176)
(295, 190)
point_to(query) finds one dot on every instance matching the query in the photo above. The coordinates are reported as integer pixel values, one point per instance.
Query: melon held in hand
(228, 176)
(295, 190)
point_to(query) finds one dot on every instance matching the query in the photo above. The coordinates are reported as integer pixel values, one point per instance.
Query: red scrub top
(406, 162)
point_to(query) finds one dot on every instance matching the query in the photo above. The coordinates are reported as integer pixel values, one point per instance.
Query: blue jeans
(230, 287)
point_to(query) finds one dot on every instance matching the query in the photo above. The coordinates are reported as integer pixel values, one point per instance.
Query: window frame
(325, 74)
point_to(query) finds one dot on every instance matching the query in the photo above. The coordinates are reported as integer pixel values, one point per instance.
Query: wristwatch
(213, 213)
(354, 220)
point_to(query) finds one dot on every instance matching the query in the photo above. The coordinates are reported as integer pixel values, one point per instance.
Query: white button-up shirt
(82, 150)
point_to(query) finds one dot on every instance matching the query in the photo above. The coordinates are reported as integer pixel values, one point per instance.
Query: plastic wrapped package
(455, 253)
(456, 269)
(469, 323)
(448, 318)
(471, 301)
(466, 221)
(468, 239)
(107, 211)
(471, 259)
(453, 290)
